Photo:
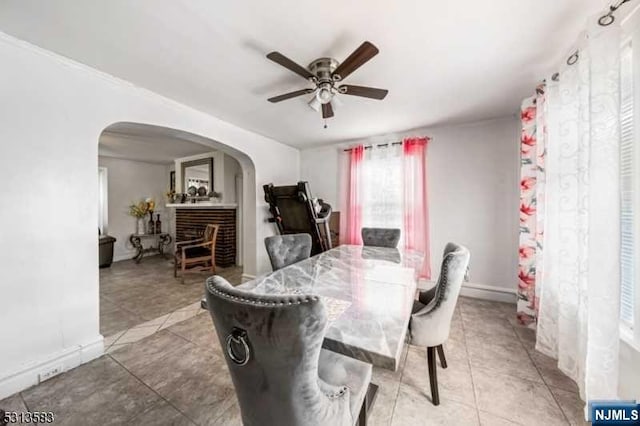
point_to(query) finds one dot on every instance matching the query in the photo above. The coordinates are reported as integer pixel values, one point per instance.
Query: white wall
(53, 111)
(473, 185)
(231, 170)
(131, 182)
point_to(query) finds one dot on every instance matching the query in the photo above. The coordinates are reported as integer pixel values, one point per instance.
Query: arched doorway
(138, 161)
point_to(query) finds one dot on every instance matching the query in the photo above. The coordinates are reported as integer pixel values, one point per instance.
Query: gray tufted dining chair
(431, 314)
(381, 237)
(284, 250)
(281, 374)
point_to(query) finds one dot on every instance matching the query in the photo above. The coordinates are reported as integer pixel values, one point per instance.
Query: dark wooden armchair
(201, 251)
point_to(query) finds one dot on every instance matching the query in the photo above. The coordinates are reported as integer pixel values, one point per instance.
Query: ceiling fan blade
(364, 91)
(279, 58)
(290, 95)
(359, 56)
(327, 110)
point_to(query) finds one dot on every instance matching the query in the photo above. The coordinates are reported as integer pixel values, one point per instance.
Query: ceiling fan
(325, 74)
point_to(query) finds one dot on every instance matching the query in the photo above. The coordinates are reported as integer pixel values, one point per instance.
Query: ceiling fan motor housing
(322, 69)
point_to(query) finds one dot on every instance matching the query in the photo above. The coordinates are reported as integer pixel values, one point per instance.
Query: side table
(163, 240)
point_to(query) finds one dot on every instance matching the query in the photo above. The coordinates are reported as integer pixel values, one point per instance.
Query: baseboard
(478, 291)
(247, 277)
(117, 257)
(66, 359)
(129, 255)
(488, 292)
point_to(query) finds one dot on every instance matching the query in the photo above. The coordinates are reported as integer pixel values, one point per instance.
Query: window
(628, 170)
(382, 192)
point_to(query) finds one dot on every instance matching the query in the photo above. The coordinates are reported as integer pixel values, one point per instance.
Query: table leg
(370, 399)
(137, 244)
(367, 405)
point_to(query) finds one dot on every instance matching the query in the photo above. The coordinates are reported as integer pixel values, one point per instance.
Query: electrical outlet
(51, 372)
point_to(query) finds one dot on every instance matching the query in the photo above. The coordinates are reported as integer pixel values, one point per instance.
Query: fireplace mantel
(202, 205)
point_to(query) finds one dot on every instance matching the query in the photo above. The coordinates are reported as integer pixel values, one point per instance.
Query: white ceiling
(130, 143)
(442, 62)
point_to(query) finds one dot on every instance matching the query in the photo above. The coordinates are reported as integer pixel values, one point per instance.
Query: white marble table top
(368, 293)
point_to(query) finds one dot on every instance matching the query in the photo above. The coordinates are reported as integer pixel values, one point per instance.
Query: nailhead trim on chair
(338, 394)
(442, 288)
(254, 301)
(440, 294)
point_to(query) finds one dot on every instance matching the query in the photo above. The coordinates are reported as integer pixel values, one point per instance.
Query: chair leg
(184, 270)
(443, 360)
(433, 378)
(175, 267)
(362, 417)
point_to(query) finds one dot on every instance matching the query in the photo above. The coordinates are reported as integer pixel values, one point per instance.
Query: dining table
(368, 293)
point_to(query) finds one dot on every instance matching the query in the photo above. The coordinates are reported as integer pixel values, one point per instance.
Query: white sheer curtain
(383, 187)
(578, 320)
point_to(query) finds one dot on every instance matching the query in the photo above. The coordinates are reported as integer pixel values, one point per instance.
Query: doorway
(137, 163)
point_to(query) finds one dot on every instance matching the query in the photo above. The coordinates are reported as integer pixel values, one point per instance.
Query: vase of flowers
(139, 211)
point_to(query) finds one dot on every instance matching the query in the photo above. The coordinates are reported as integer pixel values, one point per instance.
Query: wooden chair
(201, 251)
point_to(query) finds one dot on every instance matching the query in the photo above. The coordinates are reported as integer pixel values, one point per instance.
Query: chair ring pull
(238, 336)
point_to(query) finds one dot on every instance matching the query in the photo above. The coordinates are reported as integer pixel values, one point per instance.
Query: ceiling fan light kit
(325, 74)
(314, 103)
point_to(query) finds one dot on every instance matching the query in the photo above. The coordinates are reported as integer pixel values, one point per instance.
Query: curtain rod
(378, 145)
(604, 21)
(608, 18)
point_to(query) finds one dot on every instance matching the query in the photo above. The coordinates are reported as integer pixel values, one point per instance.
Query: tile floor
(132, 294)
(147, 328)
(177, 376)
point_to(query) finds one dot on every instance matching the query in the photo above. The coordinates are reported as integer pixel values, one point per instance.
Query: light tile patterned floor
(134, 295)
(178, 376)
(147, 328)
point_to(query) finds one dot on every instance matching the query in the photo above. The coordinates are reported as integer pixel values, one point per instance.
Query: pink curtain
(354, 207)
(416, 212)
